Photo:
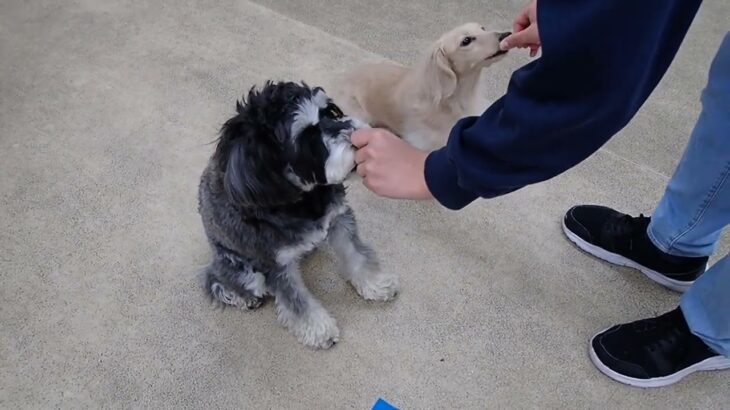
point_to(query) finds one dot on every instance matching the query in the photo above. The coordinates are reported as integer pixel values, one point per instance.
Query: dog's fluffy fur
(271, 193)
(421, 104)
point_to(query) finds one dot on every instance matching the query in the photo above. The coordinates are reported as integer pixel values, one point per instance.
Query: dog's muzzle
(500, 37)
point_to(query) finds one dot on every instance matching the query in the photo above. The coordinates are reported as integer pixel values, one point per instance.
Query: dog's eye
(483, 29)
(333, 111)
(467, 40)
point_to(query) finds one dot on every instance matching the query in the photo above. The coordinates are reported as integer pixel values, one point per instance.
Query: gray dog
(271, 193)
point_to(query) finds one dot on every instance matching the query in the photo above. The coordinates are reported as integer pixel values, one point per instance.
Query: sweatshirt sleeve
(600, 61)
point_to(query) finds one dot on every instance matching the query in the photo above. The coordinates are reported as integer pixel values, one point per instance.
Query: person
(600, 61)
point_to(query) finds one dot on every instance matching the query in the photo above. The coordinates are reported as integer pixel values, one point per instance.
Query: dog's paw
(377, 286)
(231, 298)
(317, 329)
(245, 302)
(251, 303)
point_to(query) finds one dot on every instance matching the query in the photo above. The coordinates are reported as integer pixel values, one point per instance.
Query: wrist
(423, 191)
(442, 180)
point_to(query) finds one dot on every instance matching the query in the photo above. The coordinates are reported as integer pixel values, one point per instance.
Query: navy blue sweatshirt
(600, 61)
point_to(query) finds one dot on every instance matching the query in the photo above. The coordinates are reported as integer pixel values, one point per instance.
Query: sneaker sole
(616, 259)
(712, 363)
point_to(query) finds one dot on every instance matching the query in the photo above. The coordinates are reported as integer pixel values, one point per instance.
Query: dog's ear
(249, 151)
(440, 77)
(252, 180)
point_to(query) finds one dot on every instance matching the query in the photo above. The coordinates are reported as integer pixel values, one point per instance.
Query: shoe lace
(626, 226)
(662, 334)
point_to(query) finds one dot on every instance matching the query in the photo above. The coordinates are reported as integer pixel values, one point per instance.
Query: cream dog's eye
(467, 40)
(483, 29)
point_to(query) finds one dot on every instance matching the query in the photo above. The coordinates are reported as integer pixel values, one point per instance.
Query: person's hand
(389, 166)
(524, 31)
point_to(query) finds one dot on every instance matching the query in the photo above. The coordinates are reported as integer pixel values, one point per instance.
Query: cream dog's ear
(439, 77)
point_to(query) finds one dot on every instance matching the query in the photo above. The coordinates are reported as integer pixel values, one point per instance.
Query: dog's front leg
(359, 263)
(299, 311)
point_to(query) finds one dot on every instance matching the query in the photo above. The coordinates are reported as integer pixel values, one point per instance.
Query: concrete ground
(106, 112)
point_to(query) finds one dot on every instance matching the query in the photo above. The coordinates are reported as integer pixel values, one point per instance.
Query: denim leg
(696, 205)
(706, 306)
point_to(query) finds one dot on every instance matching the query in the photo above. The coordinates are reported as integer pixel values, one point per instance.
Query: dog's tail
(207, 279)
(216, 288)
(229, 287)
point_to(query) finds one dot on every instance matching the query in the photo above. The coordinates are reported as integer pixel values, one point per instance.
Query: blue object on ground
(383, 405)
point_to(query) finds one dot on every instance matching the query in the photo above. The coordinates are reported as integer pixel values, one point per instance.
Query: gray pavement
(107, 109)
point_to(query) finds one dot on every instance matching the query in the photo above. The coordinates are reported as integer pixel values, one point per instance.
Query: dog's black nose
(502, 36)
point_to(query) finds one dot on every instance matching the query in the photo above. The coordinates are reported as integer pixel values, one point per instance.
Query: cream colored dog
(421, 104)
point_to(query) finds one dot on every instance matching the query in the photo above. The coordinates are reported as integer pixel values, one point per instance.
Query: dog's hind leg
(234, 285)
(359, 263)
(299, 311)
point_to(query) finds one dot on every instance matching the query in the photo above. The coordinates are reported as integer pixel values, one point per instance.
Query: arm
(601, 60)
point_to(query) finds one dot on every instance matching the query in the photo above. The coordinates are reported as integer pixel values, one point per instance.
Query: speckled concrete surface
(106, 114)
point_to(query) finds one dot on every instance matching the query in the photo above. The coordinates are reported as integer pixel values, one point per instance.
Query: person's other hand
(389, 166)
(524, 31)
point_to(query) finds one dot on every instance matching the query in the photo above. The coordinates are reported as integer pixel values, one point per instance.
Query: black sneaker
(653, 352)
(622, 240)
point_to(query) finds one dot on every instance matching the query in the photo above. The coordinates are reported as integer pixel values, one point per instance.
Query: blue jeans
(696, 207)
